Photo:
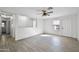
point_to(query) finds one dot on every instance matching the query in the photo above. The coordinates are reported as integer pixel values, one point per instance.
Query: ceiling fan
(47, 11)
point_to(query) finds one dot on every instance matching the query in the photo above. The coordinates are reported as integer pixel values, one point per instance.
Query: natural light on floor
(45, 35)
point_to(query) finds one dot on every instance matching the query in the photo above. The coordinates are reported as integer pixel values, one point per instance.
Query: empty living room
(39, 29)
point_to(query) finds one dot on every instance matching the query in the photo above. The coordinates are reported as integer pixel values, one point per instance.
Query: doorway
(5, 27)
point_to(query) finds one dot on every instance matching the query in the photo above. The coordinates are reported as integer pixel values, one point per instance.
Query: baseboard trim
(49, 34)
(29, 37)
(61, 35)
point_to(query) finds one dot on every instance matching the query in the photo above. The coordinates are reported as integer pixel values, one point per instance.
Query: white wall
(78, 27)
(0, 25)
(12, 26)
(68, 22)
(25, 32)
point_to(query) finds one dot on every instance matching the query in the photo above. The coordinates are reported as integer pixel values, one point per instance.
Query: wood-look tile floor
(39, 43)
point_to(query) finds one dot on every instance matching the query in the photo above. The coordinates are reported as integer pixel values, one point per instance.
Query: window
(56, 24)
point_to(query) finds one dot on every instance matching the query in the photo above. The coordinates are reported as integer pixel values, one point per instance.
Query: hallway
(39, 43)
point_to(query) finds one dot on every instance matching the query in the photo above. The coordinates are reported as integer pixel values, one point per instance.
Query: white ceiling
(33, 11)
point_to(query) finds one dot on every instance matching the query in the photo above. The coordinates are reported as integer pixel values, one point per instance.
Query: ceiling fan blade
(39, 13)
(49, 8)
(50, 12)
